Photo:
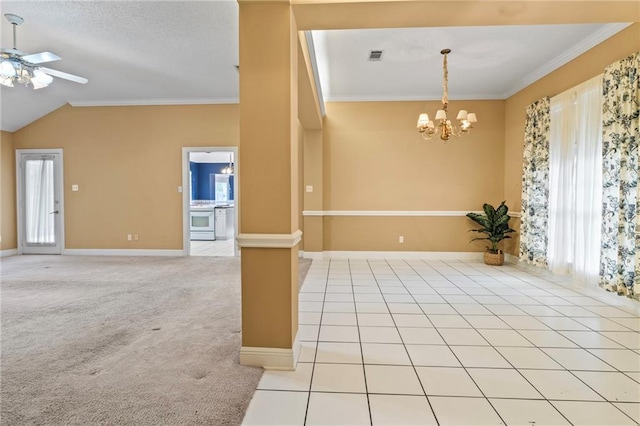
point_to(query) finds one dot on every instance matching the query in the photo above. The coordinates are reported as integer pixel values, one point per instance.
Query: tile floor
(212, 248)
(454, 343)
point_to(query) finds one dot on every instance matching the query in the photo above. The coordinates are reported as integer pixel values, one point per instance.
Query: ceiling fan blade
(40, 58)
(64, 75)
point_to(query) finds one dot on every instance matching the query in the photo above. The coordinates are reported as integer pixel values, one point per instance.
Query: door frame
(58, 176)
(186, 190)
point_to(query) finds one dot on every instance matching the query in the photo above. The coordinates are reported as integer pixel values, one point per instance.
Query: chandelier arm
(445, 82)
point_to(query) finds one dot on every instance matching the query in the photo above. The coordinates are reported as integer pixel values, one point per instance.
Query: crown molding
(568, 55)
(419, 98)
(156, 102)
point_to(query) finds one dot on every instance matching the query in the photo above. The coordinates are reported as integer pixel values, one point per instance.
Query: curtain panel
(535, 185)
(620, 246)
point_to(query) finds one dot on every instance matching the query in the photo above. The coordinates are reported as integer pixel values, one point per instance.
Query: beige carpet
(121, 340)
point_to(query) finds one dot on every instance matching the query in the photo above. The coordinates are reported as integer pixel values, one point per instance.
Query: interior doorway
(40, 201)
(210, 208)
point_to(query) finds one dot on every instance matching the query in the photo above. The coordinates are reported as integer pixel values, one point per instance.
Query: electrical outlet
(128, 237)
(135, 237)
(75, 188)
(309, 188)
(401, 239)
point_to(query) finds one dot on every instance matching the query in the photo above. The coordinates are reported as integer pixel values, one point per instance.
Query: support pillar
(269, 228)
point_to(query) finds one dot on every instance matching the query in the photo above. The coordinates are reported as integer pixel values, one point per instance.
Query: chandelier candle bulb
(444, 128)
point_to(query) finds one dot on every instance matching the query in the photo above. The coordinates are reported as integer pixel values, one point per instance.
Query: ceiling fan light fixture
(6, 82)
(7, 69)
(40, 79)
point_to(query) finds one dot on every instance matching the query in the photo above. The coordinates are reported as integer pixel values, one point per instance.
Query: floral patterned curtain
(535, 185)
(620, 251)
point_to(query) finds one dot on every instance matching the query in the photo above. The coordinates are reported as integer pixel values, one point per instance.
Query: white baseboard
(271, 358)
(435, 255)
(122, 252)
(314, 255)
(8, 252)
(510, 258)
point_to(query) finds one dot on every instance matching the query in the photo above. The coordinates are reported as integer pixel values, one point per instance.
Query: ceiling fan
(18, 67)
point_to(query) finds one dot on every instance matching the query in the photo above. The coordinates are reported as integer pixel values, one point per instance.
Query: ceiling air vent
(375, 55)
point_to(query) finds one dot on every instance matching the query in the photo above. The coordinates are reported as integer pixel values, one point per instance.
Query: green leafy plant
(495, 225)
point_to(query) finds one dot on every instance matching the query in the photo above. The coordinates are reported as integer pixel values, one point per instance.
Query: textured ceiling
(485, 63)
(176, 52)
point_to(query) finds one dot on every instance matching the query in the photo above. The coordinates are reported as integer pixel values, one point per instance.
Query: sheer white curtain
(39, 202)
(575, 181)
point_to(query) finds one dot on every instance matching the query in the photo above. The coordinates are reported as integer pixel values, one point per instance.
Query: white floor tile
(518, 412)
(615, 387)
(404, 308)
(338, 297)
(504, 338)
(630, 323)
(468, 309)
(339, 318)
(369, 298)
(462, 336)
(505, 310)
(476, 411)
(330, 409)
(340, 353)
(310, 306)
(298, 380)
(622, 359)
(385, 354)
(519, 322)
(432, 355)
(398, 298)
(276, 408)
(307, 351)
(592, 413)
(486, 322)
(634, 375)
(577, 359)
(547, 339)
(338, 378)
(532, 358)
(560, 385)
(540, 311)
(308, 332)
(590, 340)
(309, 318)
(379, 335)
(562, 323)
(459, 298)
(339, 307)
(503, 383)
(628, 339)
(394, 410)
(371, 308)
(480, 356)
(310, 297)
(631, 409)
(411, 320)
(375, 320)
(437, 309)
(448, 321)
(599, 324)
(447, 381)
(428, 298)
(392, 380)
(338, 333)
(420, 336)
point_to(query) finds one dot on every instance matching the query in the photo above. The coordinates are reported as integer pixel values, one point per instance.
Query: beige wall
(374, 159)
(127, 162)
(8, 192)
(582, 68)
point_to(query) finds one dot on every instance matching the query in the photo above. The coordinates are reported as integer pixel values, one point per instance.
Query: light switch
(309, 188)
(179, 189)
(74, 188)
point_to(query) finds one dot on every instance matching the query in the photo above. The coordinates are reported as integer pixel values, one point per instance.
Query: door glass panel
(40, 203)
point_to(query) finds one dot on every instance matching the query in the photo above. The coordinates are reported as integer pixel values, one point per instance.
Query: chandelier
(444, 128)
(14, 69)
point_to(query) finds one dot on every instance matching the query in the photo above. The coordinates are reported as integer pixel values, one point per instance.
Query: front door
(39, 201)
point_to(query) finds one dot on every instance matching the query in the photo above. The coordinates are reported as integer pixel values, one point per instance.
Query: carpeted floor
(122, 340)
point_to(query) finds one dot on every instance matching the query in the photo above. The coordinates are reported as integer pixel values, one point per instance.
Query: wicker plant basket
(494, 259)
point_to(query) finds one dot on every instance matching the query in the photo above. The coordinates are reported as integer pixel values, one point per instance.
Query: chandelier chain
(445, 83)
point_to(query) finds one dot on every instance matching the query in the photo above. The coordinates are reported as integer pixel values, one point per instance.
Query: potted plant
(495, 226)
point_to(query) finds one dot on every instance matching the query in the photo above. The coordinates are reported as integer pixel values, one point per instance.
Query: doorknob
(55, 212)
